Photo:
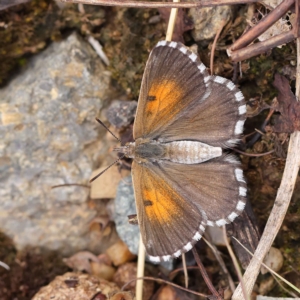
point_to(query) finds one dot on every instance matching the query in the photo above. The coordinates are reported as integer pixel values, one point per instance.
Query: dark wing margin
(174, 81)
(170, 223)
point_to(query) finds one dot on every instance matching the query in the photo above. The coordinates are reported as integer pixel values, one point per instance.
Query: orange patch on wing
(165, 93)
(162, 205)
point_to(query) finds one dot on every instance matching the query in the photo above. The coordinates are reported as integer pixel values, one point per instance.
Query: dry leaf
(287, 105)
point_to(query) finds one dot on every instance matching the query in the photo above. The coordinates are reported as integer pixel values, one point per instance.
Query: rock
(87, 262)
(209, 20)
(49, 137)
(216, 235)
(119, 253)
(273, 260)
(121, 113)
(123, 296)
(168, 293)
(81, 261)
(126, 273)
(76, 286)
(105, 187)
(266, 286)
(102, 270)
(125, 206)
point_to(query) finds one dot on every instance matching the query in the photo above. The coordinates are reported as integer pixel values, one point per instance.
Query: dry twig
(261, 47)
(221, 262)
(205, 276)
(281, 204)
(140, 270)
(263, 25)
(158, 4)
(239, 50)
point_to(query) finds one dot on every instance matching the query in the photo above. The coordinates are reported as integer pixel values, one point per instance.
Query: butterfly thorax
(185, 152)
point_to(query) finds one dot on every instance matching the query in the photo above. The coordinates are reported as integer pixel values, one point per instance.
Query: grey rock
(209, 20)
(48, 137)
(125, 206)
(121, 113)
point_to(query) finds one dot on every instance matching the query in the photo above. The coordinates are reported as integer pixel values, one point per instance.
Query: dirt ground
(127, 35)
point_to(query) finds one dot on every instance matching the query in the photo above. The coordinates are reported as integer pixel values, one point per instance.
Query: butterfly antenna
(101, 123)
(70, 184)
(94, 178)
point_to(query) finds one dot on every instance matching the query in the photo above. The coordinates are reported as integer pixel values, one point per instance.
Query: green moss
(127, 45)
(28, 28)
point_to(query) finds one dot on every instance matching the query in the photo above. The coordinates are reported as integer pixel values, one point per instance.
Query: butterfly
(182, 179)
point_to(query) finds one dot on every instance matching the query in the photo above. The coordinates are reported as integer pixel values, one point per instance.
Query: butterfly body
(182, 181)
(185, 152)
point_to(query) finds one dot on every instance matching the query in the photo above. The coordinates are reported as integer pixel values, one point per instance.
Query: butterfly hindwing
(174, 80)
(170, 223)
(217, 185)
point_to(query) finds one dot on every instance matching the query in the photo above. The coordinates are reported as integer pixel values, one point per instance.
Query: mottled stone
(125, 206)
(105, 187)
(126, 274)
(209, 20)
(48, 137)
(119, 253)
(274, 260)
(121, 113)
(77, 286)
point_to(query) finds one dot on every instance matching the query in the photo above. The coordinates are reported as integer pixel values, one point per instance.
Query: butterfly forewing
(174, 80)
(170, 223)
(216, 121)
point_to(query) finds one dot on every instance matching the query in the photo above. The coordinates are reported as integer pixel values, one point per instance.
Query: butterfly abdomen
(190, 152)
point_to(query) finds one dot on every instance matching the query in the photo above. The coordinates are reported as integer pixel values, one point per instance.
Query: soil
(127, 36)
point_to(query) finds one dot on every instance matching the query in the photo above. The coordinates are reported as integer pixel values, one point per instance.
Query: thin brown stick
(297, 21)
(235, 263)
(220, 261)
(185, 272)
(263, 25)
(281, 204)
(268, 268)
(213, 48)
(172, 21)
(7, 4)
(261, 47)
(259, 132)
(140, 270)
(158, 4)
(252, 154)
(205, 276)
(182, 269)
(284, 288)
(4, 265)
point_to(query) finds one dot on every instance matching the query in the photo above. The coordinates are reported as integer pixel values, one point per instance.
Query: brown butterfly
(182, 180)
